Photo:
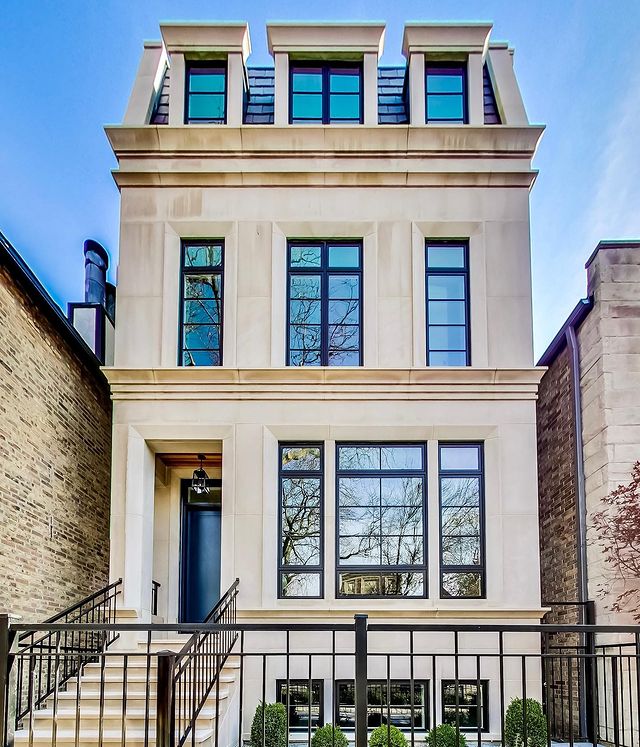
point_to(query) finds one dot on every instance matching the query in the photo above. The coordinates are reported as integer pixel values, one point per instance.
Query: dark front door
(200, 569)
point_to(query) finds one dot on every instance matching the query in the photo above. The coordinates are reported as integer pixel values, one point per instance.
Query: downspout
(581, 534)
(581, 539)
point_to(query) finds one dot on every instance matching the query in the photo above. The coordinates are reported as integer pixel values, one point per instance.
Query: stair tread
(107, 734)
(206, 712)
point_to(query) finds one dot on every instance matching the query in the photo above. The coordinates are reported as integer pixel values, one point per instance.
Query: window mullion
(324, 306)
(325, 95)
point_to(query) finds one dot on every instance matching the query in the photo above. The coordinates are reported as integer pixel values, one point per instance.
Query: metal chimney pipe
(96, 262)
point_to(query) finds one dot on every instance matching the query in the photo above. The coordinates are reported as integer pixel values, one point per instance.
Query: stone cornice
(206, 37)
(323, 38)
(327, 141)
(445, 37)
(324, 383)
(317, 156)
(411, 610)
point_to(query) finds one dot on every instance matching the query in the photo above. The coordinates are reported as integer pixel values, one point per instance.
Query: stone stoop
(87, 707)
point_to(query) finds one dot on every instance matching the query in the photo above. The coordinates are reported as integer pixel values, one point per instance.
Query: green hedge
(514, 724)
(275, 725)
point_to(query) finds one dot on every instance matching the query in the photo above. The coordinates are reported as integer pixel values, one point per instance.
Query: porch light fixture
(200, 477)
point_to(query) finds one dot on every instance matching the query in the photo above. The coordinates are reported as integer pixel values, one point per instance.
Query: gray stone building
(55, 442)
(589, 430)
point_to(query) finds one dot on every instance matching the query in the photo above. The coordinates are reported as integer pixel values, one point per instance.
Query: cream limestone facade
(255, 187)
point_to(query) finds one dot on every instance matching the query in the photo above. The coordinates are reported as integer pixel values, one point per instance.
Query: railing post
(590, 677)
(165, 705)
(361, 680)
(8, 647)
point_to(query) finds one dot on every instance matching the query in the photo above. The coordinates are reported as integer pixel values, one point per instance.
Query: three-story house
(324, 302)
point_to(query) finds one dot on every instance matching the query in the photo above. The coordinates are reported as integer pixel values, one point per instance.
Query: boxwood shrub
(387, 736)
(444, 735)
(514, 724)
(329, 736)
(275, 726)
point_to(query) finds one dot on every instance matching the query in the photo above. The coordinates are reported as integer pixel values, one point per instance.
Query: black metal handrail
(121, 686)
(196, 670)
(44, 663)
(155, 589)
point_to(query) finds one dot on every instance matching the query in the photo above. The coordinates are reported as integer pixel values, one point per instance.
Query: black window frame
(380, 569)
(482, 707)
(460, 65)
(283, 474)
(204, 270)
(426, 705)
(465, 274)
(325, 67)
(297, 681)
(480, 473)
(205, 64)
(325, 271)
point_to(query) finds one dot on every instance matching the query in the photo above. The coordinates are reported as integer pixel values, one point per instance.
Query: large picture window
(201, 303)
(462, 572)
(206, 94)
(446, 86)
(324, 303)
(325, 93)
(447, 287)
(386, 704)
(304, 712)
(381, 497)
(300, 567)
(470, 709)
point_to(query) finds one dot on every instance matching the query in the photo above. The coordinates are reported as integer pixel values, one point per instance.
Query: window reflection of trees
(202, 305)
(381, 520)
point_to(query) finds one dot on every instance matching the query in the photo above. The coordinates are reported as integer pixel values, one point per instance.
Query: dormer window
(446, 85)
(206, 99)
(325, 93)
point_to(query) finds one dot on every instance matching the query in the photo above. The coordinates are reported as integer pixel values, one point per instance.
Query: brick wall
(557, 489)
(55, 444)
(558, 527)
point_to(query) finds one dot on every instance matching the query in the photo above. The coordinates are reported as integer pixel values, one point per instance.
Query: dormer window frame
(449, 66)
(326, 67)
(213, 64)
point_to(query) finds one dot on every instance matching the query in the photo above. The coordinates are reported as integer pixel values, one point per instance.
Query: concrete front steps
(79, 719)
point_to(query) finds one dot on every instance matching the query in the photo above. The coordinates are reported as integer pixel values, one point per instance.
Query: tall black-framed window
(471, 705)
(206, 93)
(462, 565)
(381, 520)
(304, 712)
(201, 303)
(446, 92)
(386, 703)
(447, 294)
(324, 303)
(300, 521)
(325, 93)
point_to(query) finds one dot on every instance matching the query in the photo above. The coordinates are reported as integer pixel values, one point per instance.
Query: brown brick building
(55, 443)
(589, 429)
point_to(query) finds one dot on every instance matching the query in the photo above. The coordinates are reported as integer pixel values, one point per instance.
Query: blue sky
(68, 66)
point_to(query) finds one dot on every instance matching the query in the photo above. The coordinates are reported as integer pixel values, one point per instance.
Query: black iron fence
(357, 675)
